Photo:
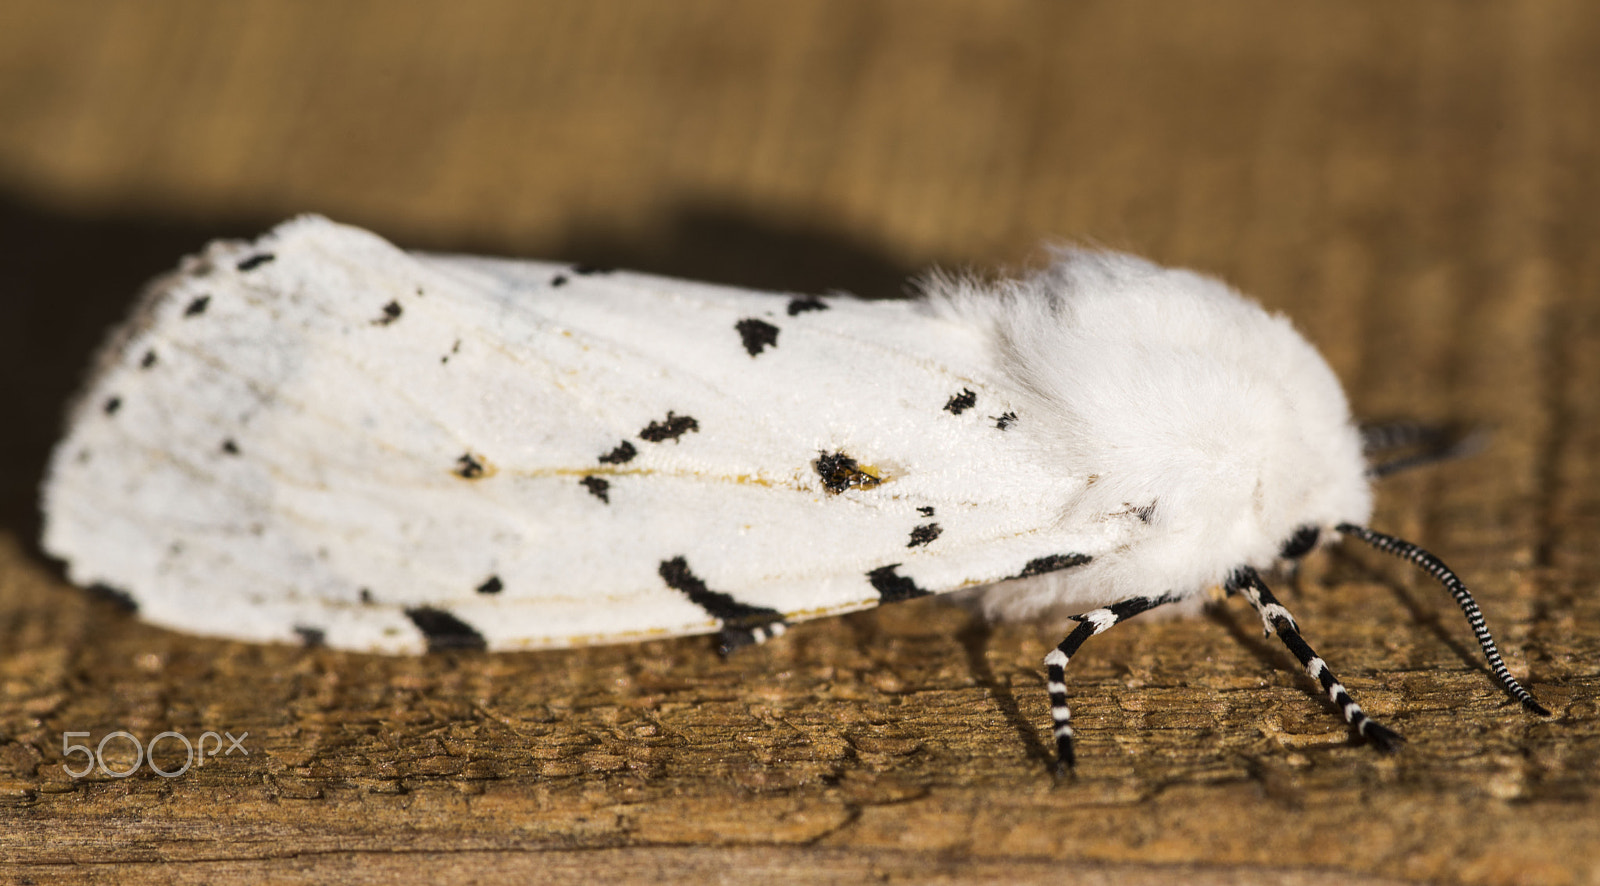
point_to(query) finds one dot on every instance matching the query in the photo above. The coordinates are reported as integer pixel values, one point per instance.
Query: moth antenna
(1435, 567)
(1277, 619)
(1386, 436)
(1437, 443)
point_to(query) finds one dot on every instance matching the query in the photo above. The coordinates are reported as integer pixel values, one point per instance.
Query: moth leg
(750, 632)
(1089, 623)
(1276, 618)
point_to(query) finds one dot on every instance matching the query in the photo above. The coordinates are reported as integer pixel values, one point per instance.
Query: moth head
(1170, 386)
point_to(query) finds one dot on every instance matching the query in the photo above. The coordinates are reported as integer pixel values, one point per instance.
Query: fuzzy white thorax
(1172, 396)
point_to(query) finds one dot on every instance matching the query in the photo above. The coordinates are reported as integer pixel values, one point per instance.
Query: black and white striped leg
(732, 638)
(1089, 623)
(1277, 619)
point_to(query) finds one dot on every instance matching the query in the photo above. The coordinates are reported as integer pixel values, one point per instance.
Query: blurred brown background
(1414, 183)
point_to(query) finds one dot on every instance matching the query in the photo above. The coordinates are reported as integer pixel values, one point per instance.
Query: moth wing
(320, 436)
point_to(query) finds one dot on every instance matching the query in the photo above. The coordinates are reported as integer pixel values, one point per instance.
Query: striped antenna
(1435, 567)
(1429, 444)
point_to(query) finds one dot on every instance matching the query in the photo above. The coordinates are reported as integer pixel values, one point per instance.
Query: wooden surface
(1415, 184)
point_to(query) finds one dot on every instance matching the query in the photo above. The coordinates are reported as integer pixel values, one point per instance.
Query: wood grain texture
(1413, 183)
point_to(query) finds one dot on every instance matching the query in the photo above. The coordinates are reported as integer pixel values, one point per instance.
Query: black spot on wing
(454, 350)
(1004, 420)
(672, 428)
(959, 403)
(798, 306)
(558, 280)
(229, 447)
(1052, 563)
(893, 588)
(491, 585)
(623, 454)
(310, 637)
(366, 597)
(122, 600)
(598, 487)
(148, 360)
(925, 511)
(111, 406)
(198, 306)
(391, 313)
(757, 335)
(923, 534)
(742, 624)
(255, 261)
(468, 467)
(840, 472)
(444, 631)
(588, 270)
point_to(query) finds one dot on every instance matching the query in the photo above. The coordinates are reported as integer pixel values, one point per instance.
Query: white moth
(318, 437)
